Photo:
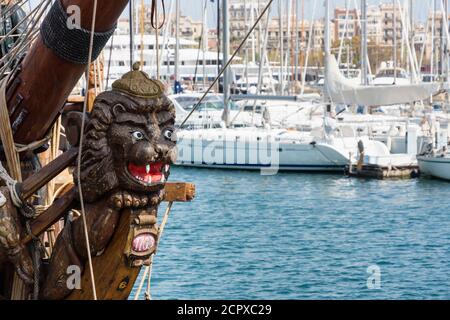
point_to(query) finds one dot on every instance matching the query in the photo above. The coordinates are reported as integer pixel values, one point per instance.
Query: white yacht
(321, 149)
(434, 156)
(436, 165)
(209, 114)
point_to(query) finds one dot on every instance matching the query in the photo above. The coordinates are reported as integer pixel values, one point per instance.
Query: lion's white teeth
(147, 168)
(167, 168)
(163, 178)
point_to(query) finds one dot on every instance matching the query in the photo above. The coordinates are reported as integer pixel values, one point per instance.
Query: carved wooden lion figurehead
(129, 141)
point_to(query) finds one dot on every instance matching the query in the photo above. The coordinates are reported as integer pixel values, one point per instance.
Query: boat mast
(280, 30)
(205, 40)
(443, 38)
(218, 43)
(364, 42)
(394, 24)
(246, 46)
(131, 13)
(226, 51)
(298, 55)
(177, 40)
(327, 47)
(252, 22)
(411, 39)
(433, 27)
(142, 31)
(446, 57)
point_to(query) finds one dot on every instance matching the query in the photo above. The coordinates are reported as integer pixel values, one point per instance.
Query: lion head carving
(129, 141)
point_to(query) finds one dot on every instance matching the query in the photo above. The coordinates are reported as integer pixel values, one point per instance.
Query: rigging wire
(109, 61)
(83, 121)
(20, 46)
(154, 22)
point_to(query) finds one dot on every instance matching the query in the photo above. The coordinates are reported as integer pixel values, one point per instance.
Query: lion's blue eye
(138, 135)
(168, 134)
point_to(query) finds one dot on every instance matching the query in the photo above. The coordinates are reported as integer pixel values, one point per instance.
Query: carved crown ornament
(137, 83)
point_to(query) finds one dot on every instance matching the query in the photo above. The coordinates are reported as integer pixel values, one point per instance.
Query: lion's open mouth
(150, 173)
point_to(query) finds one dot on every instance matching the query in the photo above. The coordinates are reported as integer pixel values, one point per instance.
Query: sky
(194, 8)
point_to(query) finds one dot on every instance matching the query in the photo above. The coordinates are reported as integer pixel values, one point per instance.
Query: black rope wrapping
(71, 44)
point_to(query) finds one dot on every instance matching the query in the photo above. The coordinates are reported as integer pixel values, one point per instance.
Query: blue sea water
(304, 236)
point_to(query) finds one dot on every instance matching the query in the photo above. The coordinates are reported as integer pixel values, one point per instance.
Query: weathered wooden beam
(174, 192)
(49, 217)
(179, 192)
(29, 186)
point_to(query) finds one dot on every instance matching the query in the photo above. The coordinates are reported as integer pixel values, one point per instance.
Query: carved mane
(97, 169)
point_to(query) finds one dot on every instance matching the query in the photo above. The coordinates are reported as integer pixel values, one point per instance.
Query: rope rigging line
(109, 61)
(10, 33)
(21, 45)
(11, 179)
(154, 22)
(225, 67)
(83, 122)
(148, 270)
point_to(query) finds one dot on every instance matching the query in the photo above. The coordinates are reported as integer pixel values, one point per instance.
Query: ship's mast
(433, 27)
(38, 92)
(131, 13)
(327, 44)
(205, 40)
(394, 25)
(411, 39)
(226, 52)
(327, 47)
(246, 46)
(177, 40)
(280, 28)
(364, 42)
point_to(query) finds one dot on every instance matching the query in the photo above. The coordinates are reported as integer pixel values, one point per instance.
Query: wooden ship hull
(35, 95)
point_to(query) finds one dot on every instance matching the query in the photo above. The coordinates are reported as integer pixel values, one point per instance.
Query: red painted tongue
(154, 173)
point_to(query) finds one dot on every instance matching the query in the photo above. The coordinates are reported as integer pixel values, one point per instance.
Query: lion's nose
(143, 153)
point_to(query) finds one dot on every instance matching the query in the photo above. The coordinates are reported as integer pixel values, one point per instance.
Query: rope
(150, 267)
(154, 21)
(83, 121)
(154, 16)
(225, 67)
(141, 284)
(26, 210)
(109, 61)
(22, 45)
(12, 157)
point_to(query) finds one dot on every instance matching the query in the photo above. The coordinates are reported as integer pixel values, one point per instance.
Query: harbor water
(305, 236)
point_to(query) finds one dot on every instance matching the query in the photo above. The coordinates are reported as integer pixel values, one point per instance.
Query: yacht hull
(436, 167)
(256, 156)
